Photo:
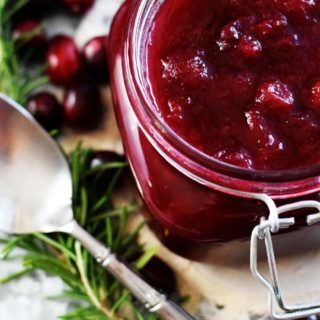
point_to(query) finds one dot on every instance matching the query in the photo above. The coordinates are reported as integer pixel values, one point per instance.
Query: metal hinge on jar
(277, 308)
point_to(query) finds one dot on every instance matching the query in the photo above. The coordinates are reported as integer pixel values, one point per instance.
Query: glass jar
(188, 193)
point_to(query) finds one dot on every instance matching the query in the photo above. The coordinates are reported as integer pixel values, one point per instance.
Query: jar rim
(196, 164)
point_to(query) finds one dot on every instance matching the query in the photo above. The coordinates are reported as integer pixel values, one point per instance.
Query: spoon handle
(152, 299)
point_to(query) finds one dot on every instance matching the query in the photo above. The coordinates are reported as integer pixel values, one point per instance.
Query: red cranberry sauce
(239, 79)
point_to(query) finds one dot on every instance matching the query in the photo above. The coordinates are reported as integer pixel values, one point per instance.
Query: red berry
(30, 32)
(82, 106)
(46, 109)
(63, 60)
(275, 95)
(79, 6)
(94, 55)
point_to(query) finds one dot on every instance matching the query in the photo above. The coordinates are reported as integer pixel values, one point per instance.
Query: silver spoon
(35, 196)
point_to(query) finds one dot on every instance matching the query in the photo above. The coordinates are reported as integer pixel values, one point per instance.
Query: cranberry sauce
(239, 79)
(252, 111)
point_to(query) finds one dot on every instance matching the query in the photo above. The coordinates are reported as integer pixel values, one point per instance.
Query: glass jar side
(182, 205)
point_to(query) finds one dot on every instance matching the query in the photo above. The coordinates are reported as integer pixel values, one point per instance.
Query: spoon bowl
(35, 186)
(36, 196)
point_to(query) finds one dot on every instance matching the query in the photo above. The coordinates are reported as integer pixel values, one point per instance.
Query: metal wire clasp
(276, 306)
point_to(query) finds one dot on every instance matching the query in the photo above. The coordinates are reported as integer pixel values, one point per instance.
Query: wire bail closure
(277, 308)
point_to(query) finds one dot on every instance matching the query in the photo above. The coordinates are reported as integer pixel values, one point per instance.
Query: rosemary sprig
(62, 256)
(15, 80)
(98, 294)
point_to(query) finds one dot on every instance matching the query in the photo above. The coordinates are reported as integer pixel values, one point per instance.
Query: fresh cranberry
(275, 95)
(79, 6)
(30, 33)
(63, 60)
(82, 105)
(186, 69)
(94, 55)
(46, 109)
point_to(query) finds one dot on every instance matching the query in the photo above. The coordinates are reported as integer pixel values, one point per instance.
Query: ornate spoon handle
(152, 299)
